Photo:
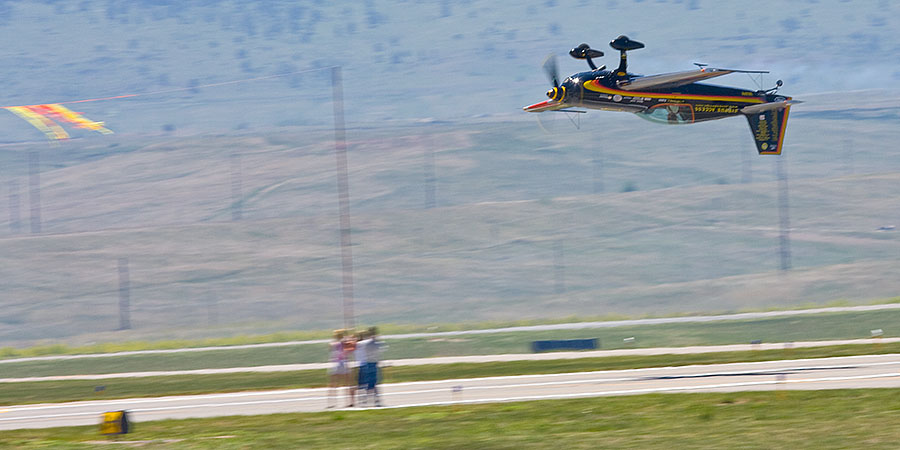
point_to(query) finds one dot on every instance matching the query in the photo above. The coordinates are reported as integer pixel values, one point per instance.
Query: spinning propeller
(552, 71)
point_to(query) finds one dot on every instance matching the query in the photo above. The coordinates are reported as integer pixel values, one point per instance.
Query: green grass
(390, 328)
(764, 420)
(780, 329)
(63, 391)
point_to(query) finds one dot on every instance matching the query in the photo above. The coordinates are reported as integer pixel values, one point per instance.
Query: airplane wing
(669, 80)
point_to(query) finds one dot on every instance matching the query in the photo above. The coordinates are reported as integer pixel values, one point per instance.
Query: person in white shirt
(368, 353)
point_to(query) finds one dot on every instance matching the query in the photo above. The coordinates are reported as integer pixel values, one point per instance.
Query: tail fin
(767, 126)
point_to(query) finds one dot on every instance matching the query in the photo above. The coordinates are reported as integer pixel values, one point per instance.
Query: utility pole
(34, 190)
(343, 179)
(124, 295)
(784, 238)
(236, 185)
(430, 192)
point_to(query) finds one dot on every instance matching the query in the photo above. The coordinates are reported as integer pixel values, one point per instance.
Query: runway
(871, 371)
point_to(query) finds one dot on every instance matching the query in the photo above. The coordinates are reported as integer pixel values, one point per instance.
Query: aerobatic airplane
(670, 98)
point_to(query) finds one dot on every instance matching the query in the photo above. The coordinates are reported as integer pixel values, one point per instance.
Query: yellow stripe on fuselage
(594, 85)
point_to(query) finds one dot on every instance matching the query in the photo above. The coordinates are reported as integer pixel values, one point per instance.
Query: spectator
(361, 356)
(368, 364)
(350, 343)
(338, 371)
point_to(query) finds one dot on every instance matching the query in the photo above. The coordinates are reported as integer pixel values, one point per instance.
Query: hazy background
(464, 208)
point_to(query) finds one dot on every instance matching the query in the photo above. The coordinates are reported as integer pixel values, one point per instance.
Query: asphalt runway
(872, 371)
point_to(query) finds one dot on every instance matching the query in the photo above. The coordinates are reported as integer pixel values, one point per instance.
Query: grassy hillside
(523, 224)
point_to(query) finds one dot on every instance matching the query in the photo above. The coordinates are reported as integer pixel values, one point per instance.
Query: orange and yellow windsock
(40, 116)
(60, 112)
(45, 125)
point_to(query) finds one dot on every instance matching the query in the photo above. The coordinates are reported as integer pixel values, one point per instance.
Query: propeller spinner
(552, 70)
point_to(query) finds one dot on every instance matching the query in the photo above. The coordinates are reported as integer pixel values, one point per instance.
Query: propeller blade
(551, 70)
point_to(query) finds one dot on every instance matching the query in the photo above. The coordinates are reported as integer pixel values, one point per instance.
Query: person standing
(338, 371)
(372, 354)
(361, 357)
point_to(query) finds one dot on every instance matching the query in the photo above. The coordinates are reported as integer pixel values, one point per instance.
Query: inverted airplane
(670, 98)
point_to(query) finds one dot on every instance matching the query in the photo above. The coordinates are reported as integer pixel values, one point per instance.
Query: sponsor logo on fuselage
(718, 109)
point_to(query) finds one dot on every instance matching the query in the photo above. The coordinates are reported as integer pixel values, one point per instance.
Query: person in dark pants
(368, 366)
(360, 354)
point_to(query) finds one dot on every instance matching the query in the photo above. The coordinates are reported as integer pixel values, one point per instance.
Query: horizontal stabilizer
(771, 106)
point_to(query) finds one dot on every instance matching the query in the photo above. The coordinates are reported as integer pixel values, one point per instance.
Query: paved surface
(827, 373)
(559, 326)
(471, 359)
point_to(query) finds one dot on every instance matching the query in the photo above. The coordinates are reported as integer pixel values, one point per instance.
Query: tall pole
(124, 295)
(34, 190)
(784, 238)
(236, 187)
(430, 193)
(343, 179)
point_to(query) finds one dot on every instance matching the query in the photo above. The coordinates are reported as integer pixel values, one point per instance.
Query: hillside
(519, 223)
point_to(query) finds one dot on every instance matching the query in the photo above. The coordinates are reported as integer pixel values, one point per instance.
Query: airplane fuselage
(690, 103)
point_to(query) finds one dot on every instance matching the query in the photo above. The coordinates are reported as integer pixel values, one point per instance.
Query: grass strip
(287, 336)
(751, 420)
(76, 390)
(851, 325)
